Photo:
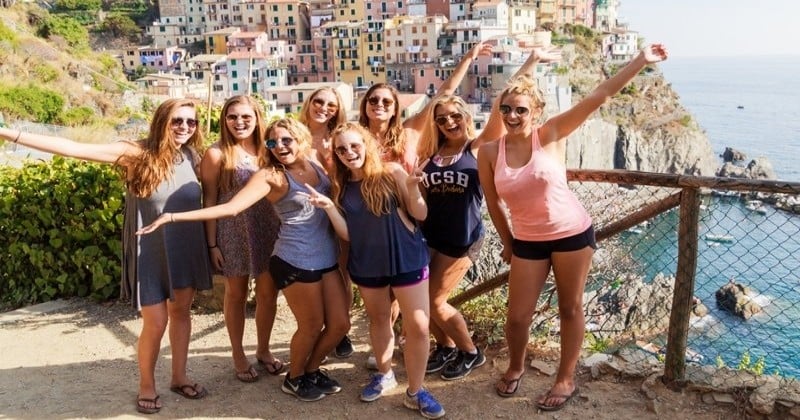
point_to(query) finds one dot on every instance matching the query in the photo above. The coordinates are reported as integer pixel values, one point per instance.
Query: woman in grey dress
(160, 272)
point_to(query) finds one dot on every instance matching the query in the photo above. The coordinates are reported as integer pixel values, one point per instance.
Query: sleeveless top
(306, 238)
(380, 246)
(173, 257)
(247, 239)
(454, 197)
(537, 195)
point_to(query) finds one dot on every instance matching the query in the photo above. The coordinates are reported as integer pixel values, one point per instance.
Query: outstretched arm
(417, 122)
(104, 153)
(255, 189)
(562, 125)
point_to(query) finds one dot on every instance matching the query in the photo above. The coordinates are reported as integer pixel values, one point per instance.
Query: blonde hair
(339, 118)
(227, 142)
(378, 187)
(432, 137)
(394, 141)
(524, 85)
(157, 160)
(297, 130)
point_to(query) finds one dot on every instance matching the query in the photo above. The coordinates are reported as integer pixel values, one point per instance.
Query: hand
(316, 199)
(417, 175)
(216, 258)
(655, 53)
(152, 227)
(546, 54)
(479, 49)
(505, 254)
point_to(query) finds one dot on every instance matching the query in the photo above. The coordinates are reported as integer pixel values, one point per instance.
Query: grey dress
(172, 257)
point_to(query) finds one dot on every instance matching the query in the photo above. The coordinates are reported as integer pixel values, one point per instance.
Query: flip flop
(566, 398)
(250, 375)
(147, 410)
(192, 392)
(275, 367)
(507, 384)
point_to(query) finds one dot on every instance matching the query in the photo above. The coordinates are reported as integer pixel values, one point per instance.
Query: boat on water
(725, 193)
(755, 206)
(713, 237)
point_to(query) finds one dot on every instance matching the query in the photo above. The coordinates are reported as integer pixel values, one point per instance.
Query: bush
(61, 225)
(82, 115)
(45, 72)
(75, 34)
(31, 102)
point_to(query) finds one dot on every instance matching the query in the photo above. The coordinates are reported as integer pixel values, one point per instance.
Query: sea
(751, 104)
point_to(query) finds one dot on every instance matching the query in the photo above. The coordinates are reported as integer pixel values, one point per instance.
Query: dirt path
(78, 361)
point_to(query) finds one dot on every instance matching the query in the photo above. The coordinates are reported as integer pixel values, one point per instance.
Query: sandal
(248, 376)
(192, 392)
(510, 386)
(147, 410)
(540, 402)
(275, 367)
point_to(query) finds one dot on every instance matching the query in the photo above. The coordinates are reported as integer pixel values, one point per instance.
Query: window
(299, 96)
(421, 72)
(290, 8)
(236, 87)
(274, 7)
(233, 62)
(234, 74)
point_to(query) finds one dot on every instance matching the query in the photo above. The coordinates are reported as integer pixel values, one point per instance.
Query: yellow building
(217, 41)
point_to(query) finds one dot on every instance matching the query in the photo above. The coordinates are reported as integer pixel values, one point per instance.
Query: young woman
(379, 204)
(322, 111)
(303, 263)
(240, 246)
(160, 272)
(551, 229)
(454, 229)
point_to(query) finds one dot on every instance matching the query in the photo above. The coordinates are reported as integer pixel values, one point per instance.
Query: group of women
(396, 203)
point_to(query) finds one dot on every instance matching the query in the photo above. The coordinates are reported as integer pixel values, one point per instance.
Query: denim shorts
(542, 250)
(404, 279)
(284, 274)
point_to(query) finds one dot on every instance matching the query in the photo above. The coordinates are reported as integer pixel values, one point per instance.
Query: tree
(122, 26)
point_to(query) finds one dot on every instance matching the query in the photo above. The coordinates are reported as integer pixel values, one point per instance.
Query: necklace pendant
(437, 160)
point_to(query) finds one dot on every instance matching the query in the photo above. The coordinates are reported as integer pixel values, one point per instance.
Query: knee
(570, 312)
(517, 322)
(235, 293)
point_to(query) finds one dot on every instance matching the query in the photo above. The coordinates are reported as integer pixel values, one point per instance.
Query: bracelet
(212, 246)
(19, 133)
(172, 217)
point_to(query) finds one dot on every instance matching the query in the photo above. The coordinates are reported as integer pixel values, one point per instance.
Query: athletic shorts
(472, 251)
(404, 279)
(542, 250)
(284, 274)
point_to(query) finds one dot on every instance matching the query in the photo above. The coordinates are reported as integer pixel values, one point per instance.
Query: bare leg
(377, 304)
(154, 324)
(448, 326)
(570, 270)
(414, 305)
(180, 331)
(305, 301)
(337, 318)
(234, 308)
(266, 309)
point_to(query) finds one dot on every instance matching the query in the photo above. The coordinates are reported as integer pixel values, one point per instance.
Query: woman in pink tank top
(549, 227)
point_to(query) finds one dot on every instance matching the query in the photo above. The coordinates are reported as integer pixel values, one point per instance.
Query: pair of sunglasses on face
(342, 150)
(236, 117)
(190, 122)
(321, 103)
(519, 110)
(284, 141)
(375, 100)
(456, 117)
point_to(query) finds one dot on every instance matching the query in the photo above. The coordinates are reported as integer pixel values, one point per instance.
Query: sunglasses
(190, 122)
(375, 100)
(342, 150)
(285, 142)
(320, 103)
(457, 117)
(519, 110)
(235, 117)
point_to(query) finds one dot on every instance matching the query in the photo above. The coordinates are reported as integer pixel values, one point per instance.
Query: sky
(694, 28)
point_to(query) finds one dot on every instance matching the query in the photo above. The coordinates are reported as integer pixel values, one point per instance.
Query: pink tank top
(537, 195)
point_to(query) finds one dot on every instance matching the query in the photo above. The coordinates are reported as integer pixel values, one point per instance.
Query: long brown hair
(156, 161)
(394, 140)
(339, 118)
(378, 188)
(227, 142)
(432, 137)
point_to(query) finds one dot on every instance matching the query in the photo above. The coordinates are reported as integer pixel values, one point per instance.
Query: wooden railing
(688, 200)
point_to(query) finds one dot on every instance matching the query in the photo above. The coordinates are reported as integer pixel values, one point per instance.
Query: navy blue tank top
(454, 197)
(380, 246)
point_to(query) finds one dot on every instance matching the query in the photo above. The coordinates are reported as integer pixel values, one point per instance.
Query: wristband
(212, 246)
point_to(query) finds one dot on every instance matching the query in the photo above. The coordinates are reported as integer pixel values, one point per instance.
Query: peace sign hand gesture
(318, 200)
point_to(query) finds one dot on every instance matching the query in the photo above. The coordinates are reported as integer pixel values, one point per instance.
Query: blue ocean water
(765, 250)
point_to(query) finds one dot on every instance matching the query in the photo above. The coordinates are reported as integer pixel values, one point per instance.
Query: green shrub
(82, 115)
(6, 34)
(45, 72)
(31, 102)
(61, 224)
(685, 120)
(75, 34)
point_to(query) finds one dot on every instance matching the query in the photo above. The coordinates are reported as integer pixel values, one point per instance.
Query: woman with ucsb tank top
(376, 205)
(303, 263)
(551, 229)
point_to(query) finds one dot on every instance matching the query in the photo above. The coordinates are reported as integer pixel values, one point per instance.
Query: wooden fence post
(677, 336)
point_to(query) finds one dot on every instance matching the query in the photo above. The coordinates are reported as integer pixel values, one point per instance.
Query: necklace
(246, 157)
(439, 159)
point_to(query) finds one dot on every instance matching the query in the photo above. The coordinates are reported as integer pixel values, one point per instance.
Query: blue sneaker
(425, 403)
(377, 386)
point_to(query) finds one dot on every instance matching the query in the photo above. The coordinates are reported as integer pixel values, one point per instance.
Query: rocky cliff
(644, 128)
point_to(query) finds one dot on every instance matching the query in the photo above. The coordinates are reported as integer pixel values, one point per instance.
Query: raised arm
(409, 185)
(486, 161)
(324, 202)
(256, 188)
(104, 153)
(417, 121)
(210, 168)
(565, 123)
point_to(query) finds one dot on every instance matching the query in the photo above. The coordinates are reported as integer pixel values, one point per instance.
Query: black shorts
(542, 250)
(284, 274)
(404, 279)
(472, 251)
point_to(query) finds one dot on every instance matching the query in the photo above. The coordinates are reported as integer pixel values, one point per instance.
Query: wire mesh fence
(746, 305)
